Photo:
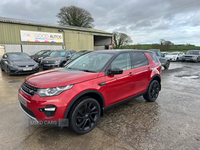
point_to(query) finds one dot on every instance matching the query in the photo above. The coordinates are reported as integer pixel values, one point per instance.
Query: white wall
(12, 48)
(30, 49)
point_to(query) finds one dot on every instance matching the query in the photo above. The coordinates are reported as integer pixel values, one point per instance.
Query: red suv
(78, 94)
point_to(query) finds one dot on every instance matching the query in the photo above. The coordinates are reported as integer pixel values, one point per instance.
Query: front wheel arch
(87, 93)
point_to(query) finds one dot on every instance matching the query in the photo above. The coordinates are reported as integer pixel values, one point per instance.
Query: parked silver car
(192, 55)
(165, 62)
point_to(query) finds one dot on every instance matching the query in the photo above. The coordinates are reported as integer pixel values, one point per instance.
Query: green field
(172, 48)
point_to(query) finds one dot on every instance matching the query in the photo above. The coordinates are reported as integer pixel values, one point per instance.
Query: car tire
(84, 115)
(177, 59)
(62, 64)
(152, 91)
(2, 69)
(9, 72)
(166, 66)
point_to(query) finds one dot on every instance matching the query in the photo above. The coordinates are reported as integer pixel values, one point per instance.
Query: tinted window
(72, 52)
(57, 54)
(154, 57)
(139, 60)
(19, 56)
(46, 53)
(193, 52)
(122, 61)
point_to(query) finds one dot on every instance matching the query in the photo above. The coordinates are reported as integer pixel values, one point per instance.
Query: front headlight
(57, 62)
(13, 66)
(195, 57)
(53, 91)
(40, 58)
(36, 64)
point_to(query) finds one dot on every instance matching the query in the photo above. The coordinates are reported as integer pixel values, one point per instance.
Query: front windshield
(173, 53)
(75, 56)
(92, 62)
(159, 53)
(40, 53)
(193, 52)
(57, 54)
(19, 56)
(46, 53)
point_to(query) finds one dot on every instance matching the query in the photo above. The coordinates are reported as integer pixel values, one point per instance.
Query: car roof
(117, 51)
(15, 53)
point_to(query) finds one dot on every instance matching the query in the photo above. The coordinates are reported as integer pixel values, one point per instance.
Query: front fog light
(49, 109)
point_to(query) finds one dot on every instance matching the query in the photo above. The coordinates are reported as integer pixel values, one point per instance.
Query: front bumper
(33, 106)
(189, 59)
(49, 66)
(23, 70)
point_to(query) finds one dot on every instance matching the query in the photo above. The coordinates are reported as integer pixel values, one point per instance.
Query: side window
(154, 57)
(122, 61)
(72, 52)
(139, 60)
(69, 53)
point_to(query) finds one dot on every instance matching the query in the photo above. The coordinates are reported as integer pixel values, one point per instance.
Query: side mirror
(115, 71)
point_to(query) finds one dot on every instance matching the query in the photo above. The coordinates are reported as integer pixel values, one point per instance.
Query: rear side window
(154, 57)
(139, 60)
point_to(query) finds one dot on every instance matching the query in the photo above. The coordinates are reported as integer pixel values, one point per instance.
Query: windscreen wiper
(85, 70)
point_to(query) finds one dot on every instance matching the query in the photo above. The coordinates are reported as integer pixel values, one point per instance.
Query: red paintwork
(118, 87)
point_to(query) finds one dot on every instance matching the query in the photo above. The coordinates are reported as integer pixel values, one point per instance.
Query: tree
(163, 46)
(120, 40)
(75, 16)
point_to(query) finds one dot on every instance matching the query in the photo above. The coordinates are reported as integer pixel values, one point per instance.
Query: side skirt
(121, 102)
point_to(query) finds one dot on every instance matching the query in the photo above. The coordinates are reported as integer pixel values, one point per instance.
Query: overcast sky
(145, 21)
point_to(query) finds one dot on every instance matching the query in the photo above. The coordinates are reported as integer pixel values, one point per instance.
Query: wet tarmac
(172, 122)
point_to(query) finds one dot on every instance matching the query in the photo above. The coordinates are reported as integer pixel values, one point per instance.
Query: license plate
(47, 64)
(187, 59)
(27, 69)
(23, 101)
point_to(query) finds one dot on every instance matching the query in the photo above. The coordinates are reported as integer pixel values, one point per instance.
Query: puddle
(188, 77)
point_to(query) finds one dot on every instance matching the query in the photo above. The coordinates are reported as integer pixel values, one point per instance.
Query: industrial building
(30, 37)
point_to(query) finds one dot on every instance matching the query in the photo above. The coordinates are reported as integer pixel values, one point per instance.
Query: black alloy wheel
(2, 68)
(152, 92)
(84, 115)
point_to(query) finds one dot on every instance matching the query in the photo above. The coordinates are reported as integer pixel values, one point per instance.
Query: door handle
(130, 74)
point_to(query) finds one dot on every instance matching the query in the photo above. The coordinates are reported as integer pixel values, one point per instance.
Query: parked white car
(175, 56)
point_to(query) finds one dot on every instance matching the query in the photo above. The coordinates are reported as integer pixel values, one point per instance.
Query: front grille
(27, 66)
(48, 61)
(28, 111)
(188, 56)
(29, 89)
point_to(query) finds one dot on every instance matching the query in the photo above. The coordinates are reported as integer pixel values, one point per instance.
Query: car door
(141, 72)
(119, 87)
